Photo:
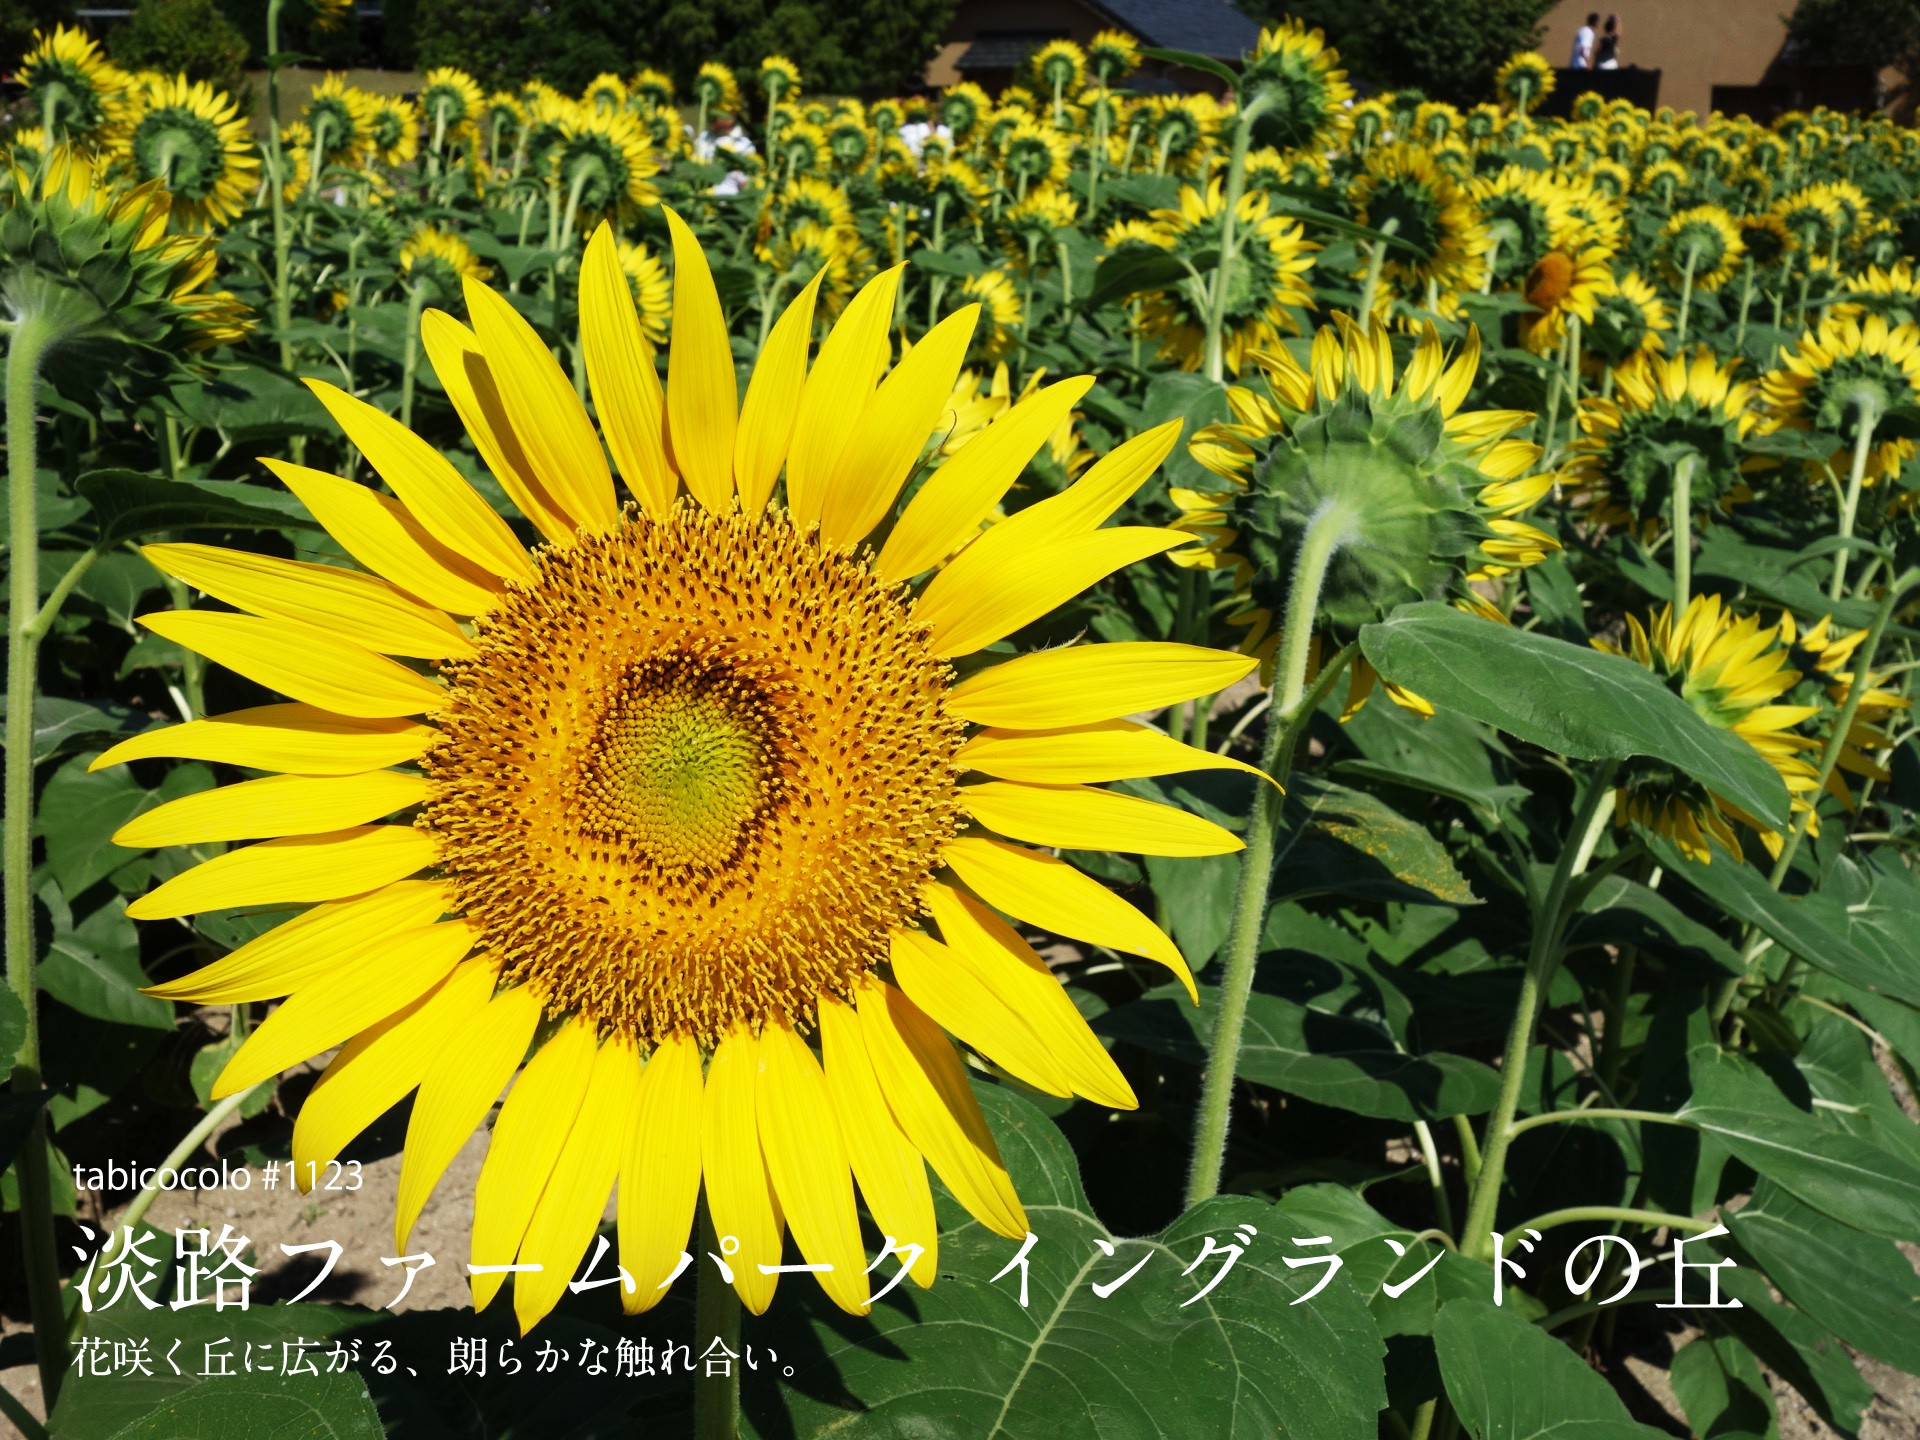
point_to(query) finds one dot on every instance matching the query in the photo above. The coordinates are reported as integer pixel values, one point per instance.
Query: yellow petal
(305, 662)
(294, 739)
(461, 1081)
(275, 805)
(576, 1194)
(346, 1000)
(620, 370)
(387, 540)
(739, 1192)
(994, 586)
(299, 868)
(1092, 499)
(545, 412)
(1052, 895)
(807, 1162)
(877, 458)
(702, 392)
(354, 606)
(927, 1090)
(1084, 683)
(468, 380)
(891, 1173)
(1007, 966)
(838, 388)
(374, 1071)
(946, 512)
(773, 401)
(1080, 817)
(294, 953)
(1089, 755)
(660, 1171)
(426, 482)
(527, 1135)
(956, 999)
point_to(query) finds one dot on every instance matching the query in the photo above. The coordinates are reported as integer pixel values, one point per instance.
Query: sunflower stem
(1866, 417)
(1229, 215)
(1746, 304)
(33, 336)
(1682, 534)
(1543, 954)
(1376, 261)
(1686, 294)
(410, 364)
(1331, 527)
(716, 1316)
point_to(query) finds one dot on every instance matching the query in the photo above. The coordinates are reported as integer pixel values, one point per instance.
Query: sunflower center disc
(696, 773)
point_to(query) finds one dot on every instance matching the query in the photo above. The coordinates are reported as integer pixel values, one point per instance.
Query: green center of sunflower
(181, 149)
(685, 759)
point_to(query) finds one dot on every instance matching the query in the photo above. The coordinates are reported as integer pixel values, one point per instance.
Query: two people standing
(1597, 53)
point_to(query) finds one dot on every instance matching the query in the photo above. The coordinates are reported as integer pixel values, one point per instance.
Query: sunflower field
(1221, 762)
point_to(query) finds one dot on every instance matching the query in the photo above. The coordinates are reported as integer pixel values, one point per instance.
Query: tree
(1448, 51)
(1882, 33)
(20, 18)
(841, 46)
(185, 37)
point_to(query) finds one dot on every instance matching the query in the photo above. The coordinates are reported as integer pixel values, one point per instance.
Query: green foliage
(1448, 51)
(191, 37)
(863, 46)
(20, 18)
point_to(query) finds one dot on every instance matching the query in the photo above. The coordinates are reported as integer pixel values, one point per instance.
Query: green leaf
(58, 723)
(132, 506)
(965, 1358)
(1511, 1380)
(209, 1061)
(1569, 699)
(1856, 1182)
(1814, 927)
(1128, 272)
(1330, 1059)
(1346, 842)
(16, 1119)
(1192, 61)
(95, 969)
(1619, 911)
(13, 1029)
(1795, 1347)
(1858, 1286)
(79, 812)
(1198, 893)
(1720, 1387)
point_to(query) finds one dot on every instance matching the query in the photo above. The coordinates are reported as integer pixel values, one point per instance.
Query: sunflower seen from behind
(689, 789)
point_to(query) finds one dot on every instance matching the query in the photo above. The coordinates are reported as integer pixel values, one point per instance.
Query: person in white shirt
(724, 140)
(1583, 44)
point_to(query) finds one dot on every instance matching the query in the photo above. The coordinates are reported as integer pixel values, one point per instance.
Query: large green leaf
(1720, 1386)
(94, 967)
(1858, 1286)
(1796, 1347)
(1815, 927)
(59, 723)
(964, 1358)
(1511, 1380)
(1570, 699)
(132, 506)
(1330, 1059)
(1619, 911)
(1339, 841)
(1856, 1182)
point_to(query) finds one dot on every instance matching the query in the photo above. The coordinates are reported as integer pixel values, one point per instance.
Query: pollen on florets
(699, 770)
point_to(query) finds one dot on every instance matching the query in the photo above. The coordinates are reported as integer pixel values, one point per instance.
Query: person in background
(1607, 56)
(726, 143)
(1583, 44)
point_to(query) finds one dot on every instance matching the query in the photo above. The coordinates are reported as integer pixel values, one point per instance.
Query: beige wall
(1695, 44)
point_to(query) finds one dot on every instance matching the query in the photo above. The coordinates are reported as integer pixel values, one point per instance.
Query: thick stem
(1746, 304)
(1376, 261)
(32, 337)
(716, 1316)
(1686, 295)
(1229, 216)
(1682, 535)
(1476, 1239)
(1331, 527)
(410, 363)
(1866, 416)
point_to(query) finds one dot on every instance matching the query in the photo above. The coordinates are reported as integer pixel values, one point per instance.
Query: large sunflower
(1440, 240)
(190, 138)
(1732, 671)
(684, 786)
(1840, 371)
